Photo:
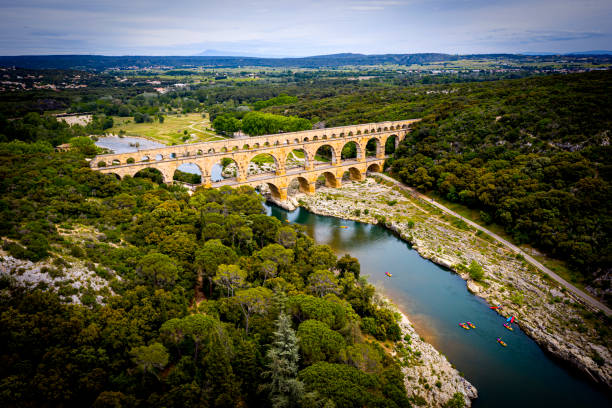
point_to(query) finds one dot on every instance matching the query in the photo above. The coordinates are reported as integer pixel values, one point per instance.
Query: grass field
(170, 132)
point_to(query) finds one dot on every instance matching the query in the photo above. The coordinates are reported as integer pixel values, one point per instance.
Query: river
(436, 300)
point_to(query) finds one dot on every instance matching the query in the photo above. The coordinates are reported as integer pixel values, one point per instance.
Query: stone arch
(262, 163)
(306, 140)
(226, 168)
(276, 143)
(333, 136)
(329, 179)
(350, 133)
(234, 148)
(211, 151)
(267, 144)
(373, 131)
(117, 176)
(391, 144)
(392, 127)
(246, 147)
(130, 160)
(301, 183)
(373, 147)
(351, 151)
(152, 174)
(115, 162)
(159, 157)
(172, 156)
(365, 132)
(386, 129)
(324, 137)
(199, 152)
(297, 158)
(355, 174)
(296, 141)
(342, 134)
(274, 190)
(375, 168)
(256, 146)
(189, 173)
(315, 138)
(325, 153)
(359, 132)
(145, 159)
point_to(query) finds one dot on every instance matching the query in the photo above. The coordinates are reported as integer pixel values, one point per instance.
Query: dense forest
(206, 301)
(532, 154)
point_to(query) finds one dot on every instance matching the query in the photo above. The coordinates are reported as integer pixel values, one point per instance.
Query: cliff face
(556, 319)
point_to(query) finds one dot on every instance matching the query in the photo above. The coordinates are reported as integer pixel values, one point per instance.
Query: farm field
(171, 132)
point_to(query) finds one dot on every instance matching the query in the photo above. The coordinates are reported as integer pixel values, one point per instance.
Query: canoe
(465, 326)
(388, 274)
(471, 325)
(500, 341)
(507, 326)
(343, 226)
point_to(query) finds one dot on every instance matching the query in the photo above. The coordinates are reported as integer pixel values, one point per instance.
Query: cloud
(297, 27)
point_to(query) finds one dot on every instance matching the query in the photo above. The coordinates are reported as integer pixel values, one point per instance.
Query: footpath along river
(436, 300)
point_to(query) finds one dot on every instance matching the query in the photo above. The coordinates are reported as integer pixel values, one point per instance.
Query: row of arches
(373, 147)
(296, 184)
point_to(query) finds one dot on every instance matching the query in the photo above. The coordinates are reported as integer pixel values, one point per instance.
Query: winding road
(578, 292)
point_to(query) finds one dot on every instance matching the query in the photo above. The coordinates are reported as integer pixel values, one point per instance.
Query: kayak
(471, 325)
(465, 326)
(343, 226)
(507, 326)
(388, 274)
(500, 341)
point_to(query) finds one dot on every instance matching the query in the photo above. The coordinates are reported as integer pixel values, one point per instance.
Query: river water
(436, 300)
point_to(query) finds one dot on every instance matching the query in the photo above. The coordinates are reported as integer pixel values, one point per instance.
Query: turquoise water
(436, 300)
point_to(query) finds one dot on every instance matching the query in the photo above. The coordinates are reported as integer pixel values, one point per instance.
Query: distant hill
(101, 62)
(596, 52)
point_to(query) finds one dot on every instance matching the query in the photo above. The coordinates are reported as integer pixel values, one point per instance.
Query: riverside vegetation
(183, 300)
(552, 316)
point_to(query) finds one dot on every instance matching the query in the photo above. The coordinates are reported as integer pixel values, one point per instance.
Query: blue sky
(302, 28)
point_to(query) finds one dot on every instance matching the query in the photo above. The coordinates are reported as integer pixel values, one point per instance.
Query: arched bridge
(280, 147)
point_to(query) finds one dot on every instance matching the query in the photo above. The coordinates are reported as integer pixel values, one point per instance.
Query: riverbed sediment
(555, 318)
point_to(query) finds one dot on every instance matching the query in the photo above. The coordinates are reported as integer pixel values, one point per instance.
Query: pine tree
(285, 389)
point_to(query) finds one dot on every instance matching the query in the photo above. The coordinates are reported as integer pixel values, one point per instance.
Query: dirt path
(584, 296)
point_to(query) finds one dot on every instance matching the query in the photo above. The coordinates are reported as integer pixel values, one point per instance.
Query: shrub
(475, 271)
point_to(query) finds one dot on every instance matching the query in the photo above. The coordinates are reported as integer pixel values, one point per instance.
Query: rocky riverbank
(428, 376)
(552, 316)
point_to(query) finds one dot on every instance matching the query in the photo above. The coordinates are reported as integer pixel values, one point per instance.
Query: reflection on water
(436, 300)
(122, 144)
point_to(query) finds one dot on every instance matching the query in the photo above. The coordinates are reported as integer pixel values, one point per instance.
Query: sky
(292, 28)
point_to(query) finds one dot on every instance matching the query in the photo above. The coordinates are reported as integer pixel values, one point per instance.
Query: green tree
(158, 269)
(475, 271)
(231, 277)
(322, 282)
(252, 300)
(318, 342)
(212, 254)
(285, 390)
(348, 264)
(149, 358)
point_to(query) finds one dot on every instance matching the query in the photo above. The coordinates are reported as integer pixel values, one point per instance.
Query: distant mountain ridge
(102, 62)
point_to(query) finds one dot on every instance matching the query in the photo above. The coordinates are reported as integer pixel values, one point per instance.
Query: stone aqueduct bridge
(206, 154)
